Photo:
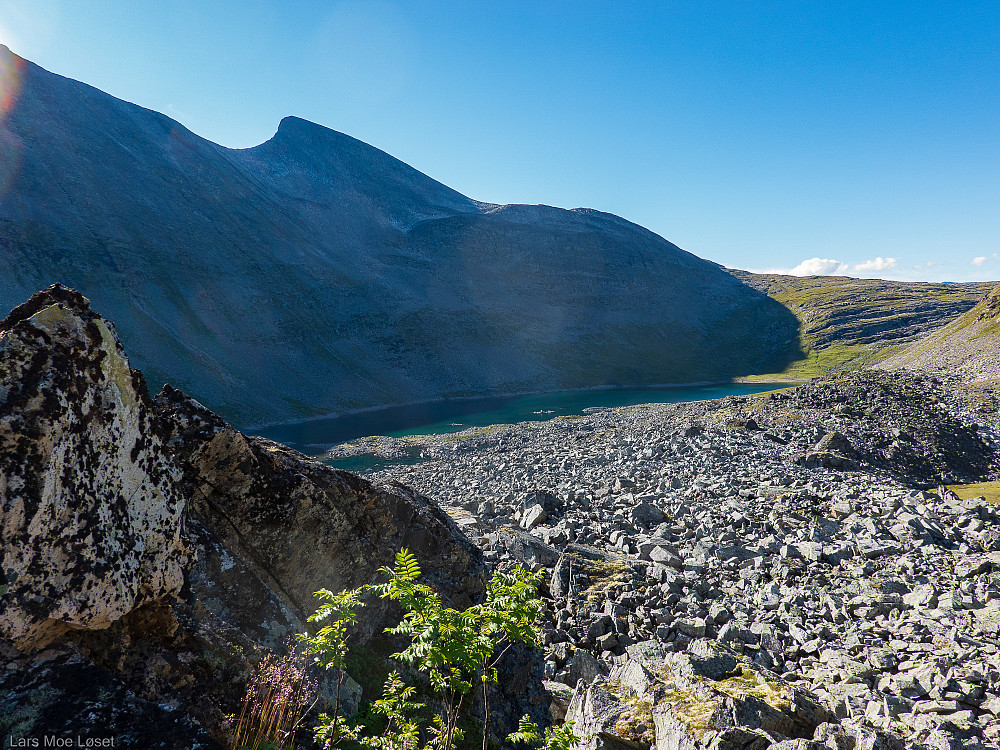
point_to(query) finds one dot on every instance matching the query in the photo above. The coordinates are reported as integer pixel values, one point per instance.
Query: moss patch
(636, 723)
(745, 683)
(114, 367)
(604, 575)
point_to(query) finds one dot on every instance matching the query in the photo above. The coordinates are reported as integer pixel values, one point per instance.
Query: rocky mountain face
(969, 346)
(316, 274)
(151, 553)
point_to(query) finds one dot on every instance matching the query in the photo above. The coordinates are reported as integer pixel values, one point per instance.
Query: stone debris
(724, 591)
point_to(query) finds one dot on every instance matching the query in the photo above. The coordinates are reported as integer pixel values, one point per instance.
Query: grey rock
(533, 516)
(646, 515)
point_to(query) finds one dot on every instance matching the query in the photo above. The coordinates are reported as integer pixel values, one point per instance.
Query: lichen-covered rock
(707, 697)
(66, 698)
(301, 525)
(595, 711)
(91, 509)
(152, 554)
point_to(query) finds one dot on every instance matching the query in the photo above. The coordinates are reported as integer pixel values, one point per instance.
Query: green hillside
(845, 323)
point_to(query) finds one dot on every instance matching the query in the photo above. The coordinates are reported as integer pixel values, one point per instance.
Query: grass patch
(636, 723)
(745, 683)
(989, 490)
(602, 575)
(819, 362)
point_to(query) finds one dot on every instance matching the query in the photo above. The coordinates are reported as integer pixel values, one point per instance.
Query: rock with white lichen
(91, 505)
(152, 553)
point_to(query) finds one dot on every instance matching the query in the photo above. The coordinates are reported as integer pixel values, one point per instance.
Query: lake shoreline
(317, 437)
(253, 429)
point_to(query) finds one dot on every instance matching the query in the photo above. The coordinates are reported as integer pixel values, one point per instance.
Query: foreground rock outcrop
(91, 507)
(151, 552)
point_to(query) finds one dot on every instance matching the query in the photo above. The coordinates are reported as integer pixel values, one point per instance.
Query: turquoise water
(316, 436)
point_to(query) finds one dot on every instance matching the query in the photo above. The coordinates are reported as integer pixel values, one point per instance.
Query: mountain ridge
(968, 346)
(314, 274)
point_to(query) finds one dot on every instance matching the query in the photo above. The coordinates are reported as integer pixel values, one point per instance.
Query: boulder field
(787, 570)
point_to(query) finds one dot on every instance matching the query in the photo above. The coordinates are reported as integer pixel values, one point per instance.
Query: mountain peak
(298, 127)
(301, 134)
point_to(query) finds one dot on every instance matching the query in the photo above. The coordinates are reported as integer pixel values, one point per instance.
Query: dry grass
(278, 695)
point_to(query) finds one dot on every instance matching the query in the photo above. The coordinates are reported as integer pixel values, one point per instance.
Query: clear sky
(859, 137)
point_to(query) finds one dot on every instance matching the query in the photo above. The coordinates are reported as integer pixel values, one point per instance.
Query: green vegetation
(602, 574)
(454, 650)
(555, 738)
(745, 683)
(847, 323)
(833, 358)
(636, 723)
(989, 490)
(692, 711)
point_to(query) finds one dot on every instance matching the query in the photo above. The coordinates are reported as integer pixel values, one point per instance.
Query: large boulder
(152, 553)
(91, 524)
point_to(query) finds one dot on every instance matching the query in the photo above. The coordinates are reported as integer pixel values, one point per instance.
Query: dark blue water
(316, 436)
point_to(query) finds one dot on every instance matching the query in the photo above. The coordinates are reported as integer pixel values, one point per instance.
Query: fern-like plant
(455, 649)
(554, 738)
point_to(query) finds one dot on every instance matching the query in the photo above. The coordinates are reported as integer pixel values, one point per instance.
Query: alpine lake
(315, 437)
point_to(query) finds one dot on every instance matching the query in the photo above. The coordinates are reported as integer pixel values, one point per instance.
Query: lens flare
(11, 73)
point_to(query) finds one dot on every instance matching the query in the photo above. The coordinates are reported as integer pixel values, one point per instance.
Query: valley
(803, 569)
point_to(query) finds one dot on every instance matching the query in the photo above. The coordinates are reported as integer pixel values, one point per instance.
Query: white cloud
(818, 267)
(876, 264)
(979, 260)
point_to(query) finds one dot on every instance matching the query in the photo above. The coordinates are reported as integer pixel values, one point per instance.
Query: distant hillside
(316, 274)
(845, 322)
(968, 346)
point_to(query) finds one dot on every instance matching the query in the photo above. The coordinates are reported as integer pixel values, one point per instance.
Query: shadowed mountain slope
(316, 274)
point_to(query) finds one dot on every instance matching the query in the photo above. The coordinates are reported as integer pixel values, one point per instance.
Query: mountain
(968, 346)
(846, 322)
(315, 274)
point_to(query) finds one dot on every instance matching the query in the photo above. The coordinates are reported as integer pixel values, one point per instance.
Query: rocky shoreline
(802, 539)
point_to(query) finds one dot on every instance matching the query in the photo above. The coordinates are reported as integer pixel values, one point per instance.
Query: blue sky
(852, 137)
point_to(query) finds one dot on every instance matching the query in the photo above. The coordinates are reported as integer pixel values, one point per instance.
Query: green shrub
(456, 651)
